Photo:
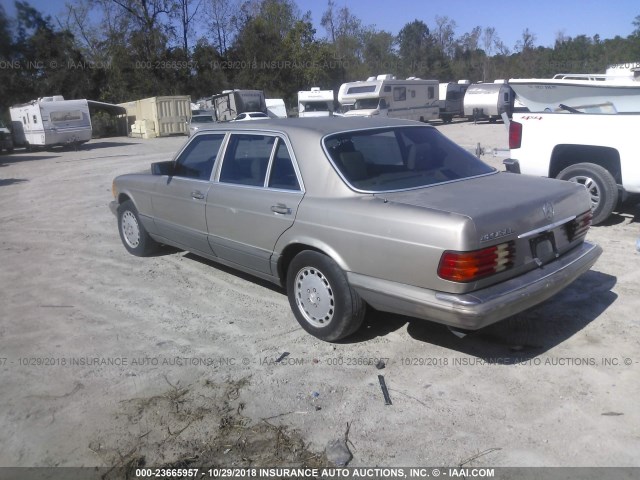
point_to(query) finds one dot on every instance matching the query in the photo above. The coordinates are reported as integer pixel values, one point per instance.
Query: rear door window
(247, 159)
(283, 175)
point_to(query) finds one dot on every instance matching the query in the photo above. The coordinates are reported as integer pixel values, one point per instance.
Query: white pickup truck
(600, 151)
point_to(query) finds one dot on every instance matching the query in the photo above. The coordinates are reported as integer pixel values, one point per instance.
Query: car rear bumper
(478, 309)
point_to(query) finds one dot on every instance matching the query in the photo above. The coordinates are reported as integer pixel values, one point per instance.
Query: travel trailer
(451, 99)
(276, 107)
(384, 95)
(230, 103)
(51, 121)
(159, 116)
(315, 103)
(488, 100)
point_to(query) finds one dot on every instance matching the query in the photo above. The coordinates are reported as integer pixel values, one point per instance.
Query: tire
(321, 298)
(134, 236)
(599, 183)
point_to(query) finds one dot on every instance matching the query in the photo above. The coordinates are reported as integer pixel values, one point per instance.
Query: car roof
(319, 125)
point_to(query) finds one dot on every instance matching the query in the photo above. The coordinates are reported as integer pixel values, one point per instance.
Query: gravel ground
(108, 359)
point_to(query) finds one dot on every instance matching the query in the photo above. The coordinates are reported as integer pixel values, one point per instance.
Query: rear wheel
(321, 298)
(134, 236)
(599, 183)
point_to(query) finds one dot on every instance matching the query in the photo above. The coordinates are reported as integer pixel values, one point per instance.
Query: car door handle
(197, 195)
(281, 208)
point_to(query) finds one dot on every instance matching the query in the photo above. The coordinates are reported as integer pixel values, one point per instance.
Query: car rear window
(400, 158)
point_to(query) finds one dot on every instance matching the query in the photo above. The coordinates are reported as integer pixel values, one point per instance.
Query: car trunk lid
(540, 216)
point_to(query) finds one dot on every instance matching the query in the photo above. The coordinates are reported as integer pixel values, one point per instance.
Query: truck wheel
(321, 298)
(134, 236)
(600, 184)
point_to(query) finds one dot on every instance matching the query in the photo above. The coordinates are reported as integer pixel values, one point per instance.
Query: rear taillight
(579, 226)
(470, 266)
(515, 135)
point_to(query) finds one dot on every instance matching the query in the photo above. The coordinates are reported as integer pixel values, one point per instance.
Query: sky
(545, 18)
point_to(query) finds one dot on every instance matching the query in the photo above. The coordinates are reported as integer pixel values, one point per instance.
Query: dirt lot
(107, 359)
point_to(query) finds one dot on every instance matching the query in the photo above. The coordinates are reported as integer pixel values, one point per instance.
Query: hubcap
(592, 188)
(130, 229)
(314, 296)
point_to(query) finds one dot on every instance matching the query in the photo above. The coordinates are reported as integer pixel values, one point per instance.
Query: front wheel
(321, 298)
(134, 236)
(599, 183)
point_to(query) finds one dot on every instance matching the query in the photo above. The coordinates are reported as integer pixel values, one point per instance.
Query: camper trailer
(51, 121)
(451, 99)
(276, 107)
(384, 95)
(230, 103)
(488, 100)
(315, 103)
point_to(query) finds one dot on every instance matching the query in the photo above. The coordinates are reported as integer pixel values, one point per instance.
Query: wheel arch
(295, 247)
(123, 197)
(565, 155)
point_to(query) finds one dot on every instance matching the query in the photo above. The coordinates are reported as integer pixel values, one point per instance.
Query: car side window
(283, 175)
(198, 158)
(247, 159)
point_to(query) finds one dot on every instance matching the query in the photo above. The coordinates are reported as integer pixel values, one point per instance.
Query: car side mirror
(162, 168)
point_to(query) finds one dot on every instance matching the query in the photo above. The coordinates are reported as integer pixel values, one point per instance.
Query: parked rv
(50, 121)
(159, 116)
(276, 108)
(231, 103)
(451, 99)
(488, 100)
(315, 103)
(384, 95)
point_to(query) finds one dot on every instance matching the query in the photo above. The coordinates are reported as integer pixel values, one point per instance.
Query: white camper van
(51, 121)
(488, 100)
(451, 99)
(384, 95)
(315, 103)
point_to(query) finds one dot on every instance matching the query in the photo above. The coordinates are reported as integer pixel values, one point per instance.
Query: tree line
(120, 50)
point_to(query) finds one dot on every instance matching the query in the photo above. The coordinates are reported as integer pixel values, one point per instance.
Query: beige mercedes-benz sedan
(350, 212)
